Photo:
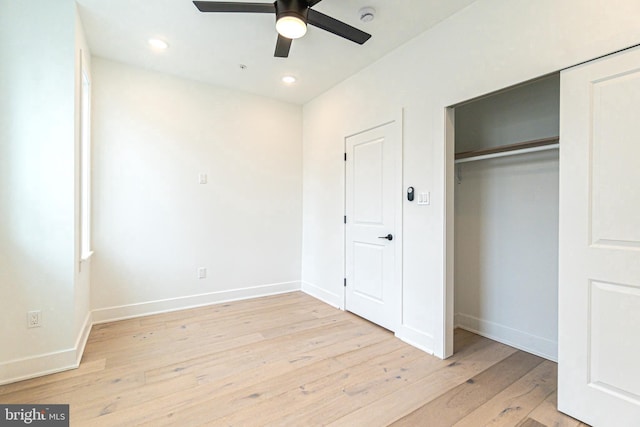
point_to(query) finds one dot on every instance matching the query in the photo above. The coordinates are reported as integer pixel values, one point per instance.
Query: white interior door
(599, 279)
(373, 197)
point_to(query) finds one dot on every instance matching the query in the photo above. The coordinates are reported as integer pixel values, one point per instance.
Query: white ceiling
(210, 47)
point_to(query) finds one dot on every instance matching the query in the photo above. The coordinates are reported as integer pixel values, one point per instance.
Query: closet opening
(503, 194)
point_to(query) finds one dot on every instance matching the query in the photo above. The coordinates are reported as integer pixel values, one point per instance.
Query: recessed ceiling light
(289, 80)
(158, 44)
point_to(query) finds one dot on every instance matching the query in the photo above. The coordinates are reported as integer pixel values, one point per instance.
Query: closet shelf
(509, 150)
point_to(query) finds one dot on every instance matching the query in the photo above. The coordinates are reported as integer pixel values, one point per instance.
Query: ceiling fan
(292, 17)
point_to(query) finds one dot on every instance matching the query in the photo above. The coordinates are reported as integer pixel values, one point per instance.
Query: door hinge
(345, 219)
(345, 282)
(345, 157)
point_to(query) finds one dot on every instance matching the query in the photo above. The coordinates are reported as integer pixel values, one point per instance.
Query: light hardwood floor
(291, 360)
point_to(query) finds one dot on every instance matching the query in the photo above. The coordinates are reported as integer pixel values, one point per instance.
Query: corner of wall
(48, 363)
(323, 295)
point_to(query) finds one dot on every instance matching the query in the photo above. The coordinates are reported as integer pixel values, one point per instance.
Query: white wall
(154, 224)
(523, 113)
(489, 45)
(37, 203)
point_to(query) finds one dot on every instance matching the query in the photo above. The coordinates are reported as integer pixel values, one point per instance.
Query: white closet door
(599, 279)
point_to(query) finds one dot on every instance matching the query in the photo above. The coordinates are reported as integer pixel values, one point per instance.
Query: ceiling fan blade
(313, 2)
(282, 47)
(336, 27)
(226, 6)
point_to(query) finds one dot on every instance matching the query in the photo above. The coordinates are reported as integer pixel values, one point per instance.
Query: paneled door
(599, 281)
(373, 205)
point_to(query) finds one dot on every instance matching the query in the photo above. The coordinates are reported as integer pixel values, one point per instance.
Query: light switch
(202, 178)
(424, 198)
(202, 273)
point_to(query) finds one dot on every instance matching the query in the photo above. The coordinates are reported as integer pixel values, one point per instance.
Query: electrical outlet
(202, 273)
(34, 319)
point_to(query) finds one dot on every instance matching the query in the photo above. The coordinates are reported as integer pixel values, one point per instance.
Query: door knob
(388, 237)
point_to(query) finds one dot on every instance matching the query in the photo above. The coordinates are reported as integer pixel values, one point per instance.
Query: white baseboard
(37, 366)
(111, 314)
(83, 337)
(416, 338)
(48, 363)
(539, 346)
(323, 295)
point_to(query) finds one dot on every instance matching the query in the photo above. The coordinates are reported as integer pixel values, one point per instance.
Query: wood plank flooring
(291, 360)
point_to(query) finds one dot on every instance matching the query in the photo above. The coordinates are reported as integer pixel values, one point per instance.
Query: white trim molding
(533, 344)
(83, 337)
(111, 314)
(37, 366)
(323, 295)
(416, 338)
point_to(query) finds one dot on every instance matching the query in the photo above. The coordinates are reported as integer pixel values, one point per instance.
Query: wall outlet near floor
(202, 273)
(34, 319)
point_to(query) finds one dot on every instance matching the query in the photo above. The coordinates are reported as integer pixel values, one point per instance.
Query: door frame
(395, 116)
(444, 338)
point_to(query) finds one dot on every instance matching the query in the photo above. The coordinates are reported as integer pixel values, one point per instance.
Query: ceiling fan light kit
(291, 27)
(292, 17)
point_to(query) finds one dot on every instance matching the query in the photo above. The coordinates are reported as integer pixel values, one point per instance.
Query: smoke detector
(367, 14)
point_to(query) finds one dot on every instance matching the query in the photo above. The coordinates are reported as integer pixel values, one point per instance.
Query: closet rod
(509, 150)
(508, 153)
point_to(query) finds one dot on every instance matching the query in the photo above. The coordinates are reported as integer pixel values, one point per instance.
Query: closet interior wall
(506, 219)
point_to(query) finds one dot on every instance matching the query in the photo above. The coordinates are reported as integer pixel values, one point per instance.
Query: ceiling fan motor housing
(295, 8)
(292, 18)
